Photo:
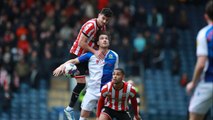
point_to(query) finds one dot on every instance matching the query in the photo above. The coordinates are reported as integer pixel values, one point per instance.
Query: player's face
(103, 41)
(117, 77)
(102, 20)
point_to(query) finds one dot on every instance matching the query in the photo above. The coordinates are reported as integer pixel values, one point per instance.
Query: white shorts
(202, 100)
(89, 101)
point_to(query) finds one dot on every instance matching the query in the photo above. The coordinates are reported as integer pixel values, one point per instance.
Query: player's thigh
(195, 116)
(104, 116)
(89, 102)
(85, 113)
(123, 116)
(202, 99)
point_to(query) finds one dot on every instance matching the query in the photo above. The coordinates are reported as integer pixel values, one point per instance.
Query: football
(70, 70)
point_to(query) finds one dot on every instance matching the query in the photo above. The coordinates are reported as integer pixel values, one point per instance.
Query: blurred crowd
(36, 35)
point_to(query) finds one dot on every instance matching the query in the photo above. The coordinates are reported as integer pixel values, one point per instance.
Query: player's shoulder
(87, 54)
(106, 87)
(132, 87)
(202, 32)
(90, 22)
(114, 53)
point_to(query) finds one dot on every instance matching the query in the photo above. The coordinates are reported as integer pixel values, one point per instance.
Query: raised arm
(83, 43)
(60, 70)
(100, 106)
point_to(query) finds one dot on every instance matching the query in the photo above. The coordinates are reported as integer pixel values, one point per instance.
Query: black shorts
(82, 67)
(119, 115)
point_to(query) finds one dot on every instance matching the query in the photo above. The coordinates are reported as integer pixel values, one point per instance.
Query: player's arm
(60, 70)
(135, 108)
(100, 106)
(83, 43)
(202, 53)
(134, 103)
(201, 60)
(101, 100)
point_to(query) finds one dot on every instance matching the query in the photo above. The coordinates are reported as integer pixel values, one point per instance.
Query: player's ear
(98, 43)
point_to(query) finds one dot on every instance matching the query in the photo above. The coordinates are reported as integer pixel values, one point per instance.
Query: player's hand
(99, 55)
(58, 71)
(137, 117)
(189, 87)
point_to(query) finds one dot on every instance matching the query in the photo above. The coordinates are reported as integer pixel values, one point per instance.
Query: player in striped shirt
(115, 95)
(86, 42)
(202, 100)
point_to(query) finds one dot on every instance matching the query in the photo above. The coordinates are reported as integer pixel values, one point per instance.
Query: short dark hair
(106, 12)
(103, 33)
(209, 9)
(121, 70)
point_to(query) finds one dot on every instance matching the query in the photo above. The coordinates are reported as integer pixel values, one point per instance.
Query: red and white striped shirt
(118, 99)
(89, 29)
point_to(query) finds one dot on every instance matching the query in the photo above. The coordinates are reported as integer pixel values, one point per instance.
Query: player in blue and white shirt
(202, 100)
(100, 72)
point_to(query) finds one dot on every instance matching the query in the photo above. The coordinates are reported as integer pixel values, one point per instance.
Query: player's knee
(85, 114)
(82, 118)
(79, 87)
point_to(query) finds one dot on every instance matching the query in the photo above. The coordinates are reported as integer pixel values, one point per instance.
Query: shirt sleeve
(88, 29)
(85, 57)
(201, 44)
(132, 92)
(117, 61)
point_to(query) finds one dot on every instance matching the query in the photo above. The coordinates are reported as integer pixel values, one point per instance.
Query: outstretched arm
(60, 70)
(197, 73)
(100, 106)
(135, 106)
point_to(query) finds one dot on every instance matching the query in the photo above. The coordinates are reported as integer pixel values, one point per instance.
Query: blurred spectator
(88, 9)
(157, 58)
(65, 32)
(102, 4)
(23, 44)
(131, 111)
(125, 56)
(4, 89)
(34, 76)
(21, 30)
(171, 40)
(140, 18)
(155, 19)
(170, 17)
(22, 69)
(183, 23)
(184, 80)
(175, 66)
(139, 44)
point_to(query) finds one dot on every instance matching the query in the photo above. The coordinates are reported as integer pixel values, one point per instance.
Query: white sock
(82, 118)
(69, 108)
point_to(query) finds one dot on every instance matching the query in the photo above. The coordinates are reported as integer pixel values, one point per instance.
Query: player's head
(104, 16)
(118, 75)
(209, 11)
(131, 82)
(103, 39)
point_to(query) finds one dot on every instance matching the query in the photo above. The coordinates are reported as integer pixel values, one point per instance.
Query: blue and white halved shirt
(100, 71)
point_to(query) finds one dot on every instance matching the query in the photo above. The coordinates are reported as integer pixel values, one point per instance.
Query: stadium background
(155, 40)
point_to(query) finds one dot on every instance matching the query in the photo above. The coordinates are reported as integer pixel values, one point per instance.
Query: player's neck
(104, 50)
(98, 24)
(118, 86)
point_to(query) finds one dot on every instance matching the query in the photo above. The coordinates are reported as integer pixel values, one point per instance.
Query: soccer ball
(70, 70)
